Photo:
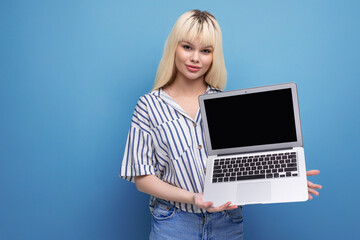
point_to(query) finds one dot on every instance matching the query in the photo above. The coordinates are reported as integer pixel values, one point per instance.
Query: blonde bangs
(193, 30)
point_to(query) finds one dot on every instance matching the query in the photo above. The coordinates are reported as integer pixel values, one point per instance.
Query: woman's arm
(154, 186)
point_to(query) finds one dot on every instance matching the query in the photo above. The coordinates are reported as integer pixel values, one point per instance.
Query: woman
(165, 154)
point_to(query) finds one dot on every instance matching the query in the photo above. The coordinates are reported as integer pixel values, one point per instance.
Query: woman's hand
(312, 186)
(208, 206)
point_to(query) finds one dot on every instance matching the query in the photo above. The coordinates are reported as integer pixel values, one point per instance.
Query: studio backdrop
(71, 73)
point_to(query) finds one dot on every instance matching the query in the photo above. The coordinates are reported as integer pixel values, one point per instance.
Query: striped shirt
(164, 141)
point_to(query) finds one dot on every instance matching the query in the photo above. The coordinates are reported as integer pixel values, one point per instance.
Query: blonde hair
(190, 26)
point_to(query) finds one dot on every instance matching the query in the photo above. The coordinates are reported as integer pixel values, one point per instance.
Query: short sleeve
(138, 157)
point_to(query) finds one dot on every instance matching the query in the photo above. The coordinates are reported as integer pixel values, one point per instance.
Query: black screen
(251, 119)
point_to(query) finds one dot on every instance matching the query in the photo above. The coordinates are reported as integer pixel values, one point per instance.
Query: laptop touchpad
(256, 192)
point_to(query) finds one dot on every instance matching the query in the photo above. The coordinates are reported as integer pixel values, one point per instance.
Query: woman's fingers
(313, 185)
(310, 197)
(231, 207)
(312, 191)
(312, 172)
(226, 206)
(219, 208)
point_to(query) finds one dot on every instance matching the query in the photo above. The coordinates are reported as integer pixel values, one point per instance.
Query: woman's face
(193, 60)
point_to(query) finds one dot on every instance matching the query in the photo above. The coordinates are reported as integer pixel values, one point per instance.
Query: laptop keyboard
(277, 165)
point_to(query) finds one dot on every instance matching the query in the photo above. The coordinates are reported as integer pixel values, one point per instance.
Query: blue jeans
(170, 223)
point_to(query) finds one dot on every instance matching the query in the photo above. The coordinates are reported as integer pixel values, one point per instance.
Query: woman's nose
(195, 57)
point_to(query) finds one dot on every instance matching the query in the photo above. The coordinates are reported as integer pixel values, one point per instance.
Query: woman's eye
(206, 51)
(187, 47)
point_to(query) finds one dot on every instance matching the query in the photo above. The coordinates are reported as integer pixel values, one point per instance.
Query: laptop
(255, 147)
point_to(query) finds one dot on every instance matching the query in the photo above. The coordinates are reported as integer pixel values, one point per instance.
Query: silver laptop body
(254, 142)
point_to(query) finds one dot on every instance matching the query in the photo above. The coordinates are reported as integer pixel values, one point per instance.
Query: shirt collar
(211, 89)
(171, 102)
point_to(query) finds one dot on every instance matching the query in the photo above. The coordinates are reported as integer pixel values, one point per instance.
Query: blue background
(71, 73)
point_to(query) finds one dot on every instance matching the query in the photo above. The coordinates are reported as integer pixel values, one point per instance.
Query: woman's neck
(186, 94)
(187, 87)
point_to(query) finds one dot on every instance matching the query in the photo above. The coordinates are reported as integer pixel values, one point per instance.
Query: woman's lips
(193, 68)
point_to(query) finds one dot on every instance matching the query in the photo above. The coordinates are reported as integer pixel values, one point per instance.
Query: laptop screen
(251, 119)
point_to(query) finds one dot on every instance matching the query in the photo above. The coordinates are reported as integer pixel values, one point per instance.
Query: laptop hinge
(269, 150)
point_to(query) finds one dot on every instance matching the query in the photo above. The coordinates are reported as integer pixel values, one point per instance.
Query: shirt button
(199, 147)
(204, 170)
(194, 124)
